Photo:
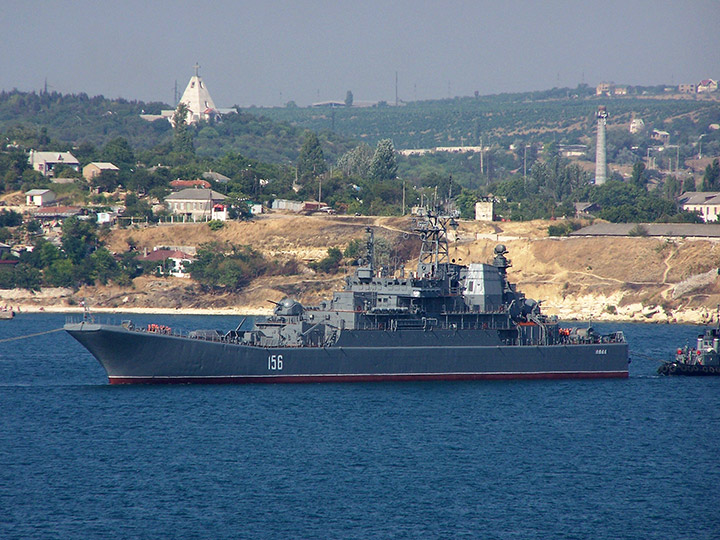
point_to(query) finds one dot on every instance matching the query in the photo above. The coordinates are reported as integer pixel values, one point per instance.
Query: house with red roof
(170, 261)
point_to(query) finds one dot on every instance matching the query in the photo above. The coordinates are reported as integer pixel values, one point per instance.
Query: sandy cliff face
(643, 279)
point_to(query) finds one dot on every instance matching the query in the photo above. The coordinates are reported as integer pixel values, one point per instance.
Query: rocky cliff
(633, 278)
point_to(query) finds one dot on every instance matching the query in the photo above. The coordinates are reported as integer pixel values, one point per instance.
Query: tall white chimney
(600, 159)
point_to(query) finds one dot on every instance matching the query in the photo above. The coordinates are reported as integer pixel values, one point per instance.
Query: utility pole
(396, 88)
(482, 152)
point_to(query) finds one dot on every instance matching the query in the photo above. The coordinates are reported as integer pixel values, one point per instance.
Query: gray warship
(701, 360)
(445, 321)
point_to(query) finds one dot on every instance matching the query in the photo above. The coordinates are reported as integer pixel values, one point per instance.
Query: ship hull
(138, 357)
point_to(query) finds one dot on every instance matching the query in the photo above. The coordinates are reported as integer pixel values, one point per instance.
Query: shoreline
(697, 317)
(20, 309)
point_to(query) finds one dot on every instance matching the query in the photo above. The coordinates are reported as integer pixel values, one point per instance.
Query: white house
(194, 204)
(170, 261)
(39, 197)
(219, 212)
(484, 210)
(285, 204)
(46, 162)
(707, 86)
(705, 203)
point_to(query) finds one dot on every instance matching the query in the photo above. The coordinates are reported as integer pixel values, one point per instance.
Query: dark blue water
(598, 459)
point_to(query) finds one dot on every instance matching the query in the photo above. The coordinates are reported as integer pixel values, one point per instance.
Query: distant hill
(74, 119)
(561, 115)
(274, 135)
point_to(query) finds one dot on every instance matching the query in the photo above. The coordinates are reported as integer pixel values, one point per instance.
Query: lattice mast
(434, 251)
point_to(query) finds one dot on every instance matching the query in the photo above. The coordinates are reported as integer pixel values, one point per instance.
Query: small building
(219, 212)
(637, 125)
(46, 162)
(706, 86)
(586, 209)
(572, 150)
(704, 203)
(687, 88)
(182, 184)
(605, 89)
(39, 197)
(170, 262)
(662, 136)
(91, 170)
(216, 177)
(312, 206)
(285, 204)
(193, 203)
(58, 213)
(107, 218)
(485, 210)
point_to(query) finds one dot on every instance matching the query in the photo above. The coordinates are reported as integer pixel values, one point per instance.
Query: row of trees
(81, 259)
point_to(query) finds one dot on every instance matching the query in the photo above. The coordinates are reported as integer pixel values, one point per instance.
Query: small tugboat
(702, 360)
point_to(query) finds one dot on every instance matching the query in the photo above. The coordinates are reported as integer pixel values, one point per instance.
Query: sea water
(631, 458)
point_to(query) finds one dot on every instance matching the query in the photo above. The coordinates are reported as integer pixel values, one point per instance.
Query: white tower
(198, 100)
(600, 158)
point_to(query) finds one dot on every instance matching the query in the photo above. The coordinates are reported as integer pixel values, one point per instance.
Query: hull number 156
(275, 362)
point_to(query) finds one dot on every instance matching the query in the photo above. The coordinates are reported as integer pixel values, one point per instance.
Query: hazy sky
(268, 52)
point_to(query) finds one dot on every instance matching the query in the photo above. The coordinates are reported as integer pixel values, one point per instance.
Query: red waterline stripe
(366, 378)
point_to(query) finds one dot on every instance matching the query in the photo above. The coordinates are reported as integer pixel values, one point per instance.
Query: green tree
(349, 99)
(27, 277)
(104, 266)
(60, 273)
(330, 263)
(311, 161)
(10, 218)
(182, 138)
(79, 239)
(384, 165)
(465, 202)
(119, 152)
(136, 207)
(689, 184)
(671, 187)
(638, 176)
(105, 181)
(711, 178)
(357, 161)
(219, 265)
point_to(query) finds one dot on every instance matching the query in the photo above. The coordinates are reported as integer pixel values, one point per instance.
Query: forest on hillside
(345, 157)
